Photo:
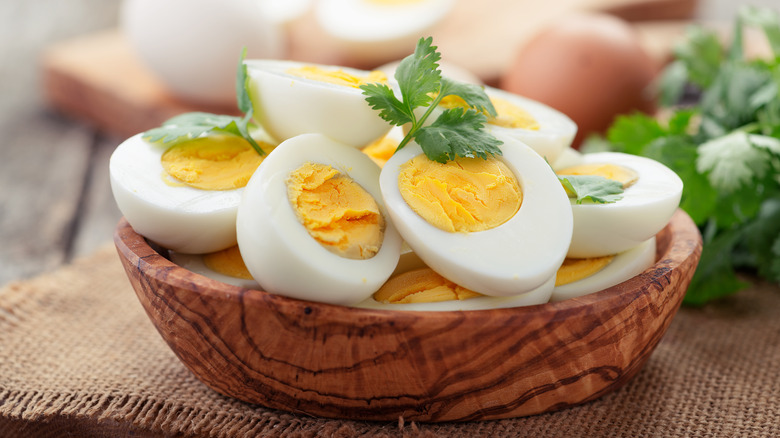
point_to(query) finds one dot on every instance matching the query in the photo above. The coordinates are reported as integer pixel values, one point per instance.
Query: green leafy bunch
(457, 131)
(188, 126)
(725, 146)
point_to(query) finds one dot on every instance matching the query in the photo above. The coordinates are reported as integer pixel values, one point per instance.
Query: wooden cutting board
(98, 79)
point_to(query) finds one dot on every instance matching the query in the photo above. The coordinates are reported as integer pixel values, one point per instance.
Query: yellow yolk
(381, 150)
(213, 163)
(463, 195)
(508, 115)
(337, 77)
(421, 286)
(227, 262)
(336, 211)
(576, 269)
(621, 174)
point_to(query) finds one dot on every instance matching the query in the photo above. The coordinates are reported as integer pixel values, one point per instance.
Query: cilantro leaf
(733, 161)
(592, 188)
(242, 86)
(418, 75)
(632, 133)
(715, 276)
(381, 97)
(456, 132)
(701, 54)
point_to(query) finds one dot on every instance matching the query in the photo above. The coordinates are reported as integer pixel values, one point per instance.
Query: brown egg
(589, 66)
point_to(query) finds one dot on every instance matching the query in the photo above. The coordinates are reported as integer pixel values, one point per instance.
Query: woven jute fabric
(79, 357)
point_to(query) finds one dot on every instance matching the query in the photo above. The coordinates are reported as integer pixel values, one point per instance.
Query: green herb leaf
(733, 161)
(456, 132)
(242, 86)
(592, 188)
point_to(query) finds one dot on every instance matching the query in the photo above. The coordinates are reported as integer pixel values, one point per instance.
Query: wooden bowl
(341, 362)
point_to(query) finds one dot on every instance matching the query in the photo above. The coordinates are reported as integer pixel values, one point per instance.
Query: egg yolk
(336, 211)
(421, 286)
(462, 195)
(227, 262)
(212, 163)
(621, 174)
(576, 269)
(337, 77)
(508, 115)
(381, 150)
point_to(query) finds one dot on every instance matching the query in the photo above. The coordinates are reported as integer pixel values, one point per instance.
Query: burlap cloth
(79, 357)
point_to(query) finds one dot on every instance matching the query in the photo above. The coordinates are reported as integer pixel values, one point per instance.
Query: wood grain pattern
(341, 362)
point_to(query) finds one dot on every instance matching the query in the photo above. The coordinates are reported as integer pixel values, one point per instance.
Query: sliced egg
(292, 98)
(646, 206)
(568, 157)
(470, 301)
(194, 212)
(306, 224)
(221, 266)
(509, 258)
(622, 267)
(381, 149)
(376, 31)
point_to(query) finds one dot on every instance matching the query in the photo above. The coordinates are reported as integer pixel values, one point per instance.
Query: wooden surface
(423, 366)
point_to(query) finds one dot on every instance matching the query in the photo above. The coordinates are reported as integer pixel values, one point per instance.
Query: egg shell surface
(646, 207)
(287, 105)
(515, 257)
(540, 295)
(278, 250)
(625, 265)
(175, 216)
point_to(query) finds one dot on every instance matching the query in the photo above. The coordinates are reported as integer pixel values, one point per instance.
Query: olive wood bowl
(340, 362)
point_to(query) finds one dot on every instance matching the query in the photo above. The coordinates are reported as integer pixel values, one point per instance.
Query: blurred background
(79, 76)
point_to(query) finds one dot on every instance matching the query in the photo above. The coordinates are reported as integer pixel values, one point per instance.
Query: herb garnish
(593, 188)
(725, 148)
(457, 131)
(192, 125)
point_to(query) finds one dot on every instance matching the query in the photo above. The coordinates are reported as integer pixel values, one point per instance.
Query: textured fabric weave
(79, 356)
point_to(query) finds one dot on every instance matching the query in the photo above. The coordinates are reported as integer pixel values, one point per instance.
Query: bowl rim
(676, 243)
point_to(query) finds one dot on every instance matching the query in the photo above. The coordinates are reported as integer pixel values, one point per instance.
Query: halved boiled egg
(425, 290)
(609, 271)
(312, 224)
(651, 195)
(226, 266)
(183, 197)
(376, 31)
(292, 98)
(499, 227)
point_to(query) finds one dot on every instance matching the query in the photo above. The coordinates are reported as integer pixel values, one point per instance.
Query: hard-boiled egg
(312, 223)
(377, 31)
(183, 197)
(225, 266)
(293, 98)
(503, 259)
(414, 291)
(652, 195)
(618, 269)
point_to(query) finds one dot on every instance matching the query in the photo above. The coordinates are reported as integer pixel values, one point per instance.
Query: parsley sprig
(188, 126)
(592, 188)
(457, 131)
(725, 146)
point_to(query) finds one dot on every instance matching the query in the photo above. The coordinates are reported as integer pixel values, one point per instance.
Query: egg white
(287, 105)
(371, 32)
(518, 256)
(278, 250)
(178, 217)
(625, 265)
(540, 295)
(195, 263)
(646, 207)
